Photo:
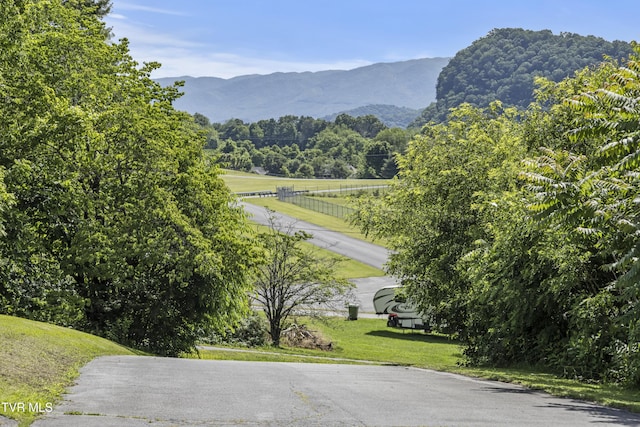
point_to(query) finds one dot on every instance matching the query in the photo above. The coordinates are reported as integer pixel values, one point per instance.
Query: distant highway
(365, 252)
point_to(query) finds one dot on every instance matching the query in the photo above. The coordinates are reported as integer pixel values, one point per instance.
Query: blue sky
(227, 38)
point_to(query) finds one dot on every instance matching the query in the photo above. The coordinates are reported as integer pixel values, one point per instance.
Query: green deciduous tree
(100, 8)
(294, 279)
(397, 138)
(118, 215)
(525, 282)
(376, 155)
(594, 196)
(367, 126)
(431, 218)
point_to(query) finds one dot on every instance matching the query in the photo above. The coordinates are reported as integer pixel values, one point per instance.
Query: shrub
(252, 331)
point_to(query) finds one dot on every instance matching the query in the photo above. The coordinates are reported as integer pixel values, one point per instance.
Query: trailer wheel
(392, 322)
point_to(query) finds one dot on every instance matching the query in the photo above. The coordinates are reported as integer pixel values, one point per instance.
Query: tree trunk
(274, 331)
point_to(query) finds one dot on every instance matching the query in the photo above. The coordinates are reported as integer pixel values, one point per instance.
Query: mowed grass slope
(38, 361)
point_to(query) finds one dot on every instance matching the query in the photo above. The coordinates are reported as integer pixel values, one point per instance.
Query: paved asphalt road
(117, 391)
(367, 253)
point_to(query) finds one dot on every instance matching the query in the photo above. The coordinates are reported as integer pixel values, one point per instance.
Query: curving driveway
(365, 252)
(146, 391)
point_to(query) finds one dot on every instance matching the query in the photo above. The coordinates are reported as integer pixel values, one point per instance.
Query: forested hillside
(503, 64)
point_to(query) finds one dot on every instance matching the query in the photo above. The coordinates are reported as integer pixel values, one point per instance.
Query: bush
(252, 331)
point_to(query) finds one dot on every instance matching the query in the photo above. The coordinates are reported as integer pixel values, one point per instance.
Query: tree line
(113, 219)
(305, 147)
(517, 230)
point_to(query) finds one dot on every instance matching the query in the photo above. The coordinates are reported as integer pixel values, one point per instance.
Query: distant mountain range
(386, 89)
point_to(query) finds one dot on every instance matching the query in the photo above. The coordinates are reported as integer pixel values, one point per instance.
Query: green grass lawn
(341, 201)
(349, 268)
(371, 340)
(38, 361)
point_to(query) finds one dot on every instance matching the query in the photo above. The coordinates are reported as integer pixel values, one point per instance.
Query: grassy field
(38, 361)
(349, 268)
(246, 182)
(242, 182)
(342, 201)
(364, 340)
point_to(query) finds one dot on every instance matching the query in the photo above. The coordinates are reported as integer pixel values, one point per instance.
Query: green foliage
(594, 195)
(367, 126)
(523, 262)
(390, 115)
(504, 64)
(431, 217)
(521, 230)
(251, 331)
(377, 153)
(303, 147)
(117, 224)
(100, 8)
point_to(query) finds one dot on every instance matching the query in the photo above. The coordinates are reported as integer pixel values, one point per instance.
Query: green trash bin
(353, 312)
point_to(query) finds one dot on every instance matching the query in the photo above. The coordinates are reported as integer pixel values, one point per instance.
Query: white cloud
(176, 63)
(183, 57)
(144, 37)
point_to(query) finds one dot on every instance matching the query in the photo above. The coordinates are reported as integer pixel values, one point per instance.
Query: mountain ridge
(404, 84)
